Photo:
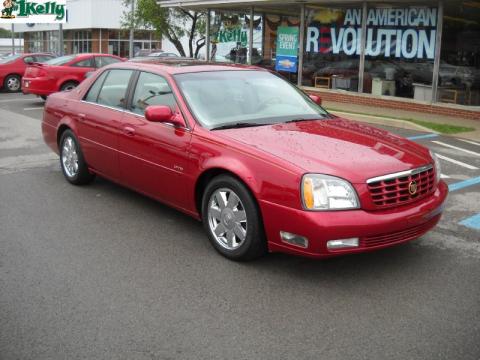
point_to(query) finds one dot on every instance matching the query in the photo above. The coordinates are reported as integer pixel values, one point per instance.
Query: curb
(403, 124)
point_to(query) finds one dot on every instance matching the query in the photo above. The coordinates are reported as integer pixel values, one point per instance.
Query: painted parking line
(456, 162)
(463, 184)
(425, 136)
(443, 176)
(472, 222)
(33, 108)
(470, 142)
(456, 148)
(15, 99)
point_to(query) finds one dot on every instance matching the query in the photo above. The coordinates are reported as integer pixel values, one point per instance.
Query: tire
(69, 85)
(12, 83)
(72, 162)
(240, 234)
(44, 97)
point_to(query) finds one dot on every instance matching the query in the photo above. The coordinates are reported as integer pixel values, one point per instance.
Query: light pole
(132, 23)
(13, 38)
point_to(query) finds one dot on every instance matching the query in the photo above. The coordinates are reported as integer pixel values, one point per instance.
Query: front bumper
(375, 229)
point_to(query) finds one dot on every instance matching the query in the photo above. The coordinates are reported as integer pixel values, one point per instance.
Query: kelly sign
(287, 49)
(408, 33)
(28, 11)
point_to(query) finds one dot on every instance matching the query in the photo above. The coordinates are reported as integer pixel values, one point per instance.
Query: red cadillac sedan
(261, 164)
(63, 73)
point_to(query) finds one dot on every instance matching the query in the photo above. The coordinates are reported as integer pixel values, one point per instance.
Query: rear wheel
(44, 97)
(12, 83)
(232, 220)
(69, 85)
(73, 165)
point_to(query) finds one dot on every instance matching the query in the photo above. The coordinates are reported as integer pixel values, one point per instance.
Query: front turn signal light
(308, 193)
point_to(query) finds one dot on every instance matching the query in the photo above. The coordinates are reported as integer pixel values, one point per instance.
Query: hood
(337, 147)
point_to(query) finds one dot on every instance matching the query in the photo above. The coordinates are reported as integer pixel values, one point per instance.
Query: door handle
(129, 131)
(82, 117)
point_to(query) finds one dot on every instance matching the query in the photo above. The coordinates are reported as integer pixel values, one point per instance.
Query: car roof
(183, 65)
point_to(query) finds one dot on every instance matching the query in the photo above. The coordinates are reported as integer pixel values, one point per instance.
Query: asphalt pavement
(101, 272)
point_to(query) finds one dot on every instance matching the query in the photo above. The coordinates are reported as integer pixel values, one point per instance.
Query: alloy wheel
(227, 218)
(70, 157)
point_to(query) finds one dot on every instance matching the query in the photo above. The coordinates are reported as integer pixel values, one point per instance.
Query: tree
(173, 23)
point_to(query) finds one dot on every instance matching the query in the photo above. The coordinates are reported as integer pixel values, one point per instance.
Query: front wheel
(232, 220)
(73, 165)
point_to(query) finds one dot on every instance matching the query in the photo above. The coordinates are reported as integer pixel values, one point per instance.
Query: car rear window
(62, 60)
(101, 61)
(9, 59)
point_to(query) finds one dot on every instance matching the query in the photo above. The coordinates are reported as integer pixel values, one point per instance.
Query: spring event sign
(287, 49)
(407, 33)
(28, 11)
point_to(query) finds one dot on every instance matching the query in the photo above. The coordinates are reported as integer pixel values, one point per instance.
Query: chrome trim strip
(400, 174)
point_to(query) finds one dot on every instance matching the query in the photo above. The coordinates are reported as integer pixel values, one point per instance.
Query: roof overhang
(234, 3)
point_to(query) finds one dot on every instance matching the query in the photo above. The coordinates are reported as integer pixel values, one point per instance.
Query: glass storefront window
(279, 21)
(82, 42)
(229, 37)
(400, 51)
(332, 47)
(459, 74)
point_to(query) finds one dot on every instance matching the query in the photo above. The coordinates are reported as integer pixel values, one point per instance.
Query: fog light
(294, 239)
(342, 243)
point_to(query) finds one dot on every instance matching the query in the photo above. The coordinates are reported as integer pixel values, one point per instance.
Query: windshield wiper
(299, 120)
(236, 126)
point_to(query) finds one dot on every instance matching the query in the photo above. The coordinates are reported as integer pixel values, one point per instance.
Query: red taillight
(35, 71)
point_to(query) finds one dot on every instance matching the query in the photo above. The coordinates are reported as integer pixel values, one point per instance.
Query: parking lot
(101, 272)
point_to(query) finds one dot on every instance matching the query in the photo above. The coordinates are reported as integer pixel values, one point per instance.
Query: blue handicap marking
(472, 222)
(425, 136)
(463, 184)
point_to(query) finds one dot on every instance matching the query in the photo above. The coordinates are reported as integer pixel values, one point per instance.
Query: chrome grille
(396, 189)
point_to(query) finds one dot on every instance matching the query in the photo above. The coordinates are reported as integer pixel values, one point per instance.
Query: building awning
(235, 3)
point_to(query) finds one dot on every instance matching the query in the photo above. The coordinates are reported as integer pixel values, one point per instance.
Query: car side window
(92, 94)
(42, 58)
(84, 63)
(152, 89)
(28, 59)
(101, 61)
(114, 88)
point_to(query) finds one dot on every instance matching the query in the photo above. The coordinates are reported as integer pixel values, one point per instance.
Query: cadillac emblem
(412, 187)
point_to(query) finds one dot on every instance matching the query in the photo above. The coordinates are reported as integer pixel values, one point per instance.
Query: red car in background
(264, 166)
(12, 68)
(63, 73)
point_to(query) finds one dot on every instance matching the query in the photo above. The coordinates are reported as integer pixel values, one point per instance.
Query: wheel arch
(66, 123)
(208, 174)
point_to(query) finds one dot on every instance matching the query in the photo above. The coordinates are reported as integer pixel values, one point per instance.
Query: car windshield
(62, 60)
(9, 59)
(233, 98)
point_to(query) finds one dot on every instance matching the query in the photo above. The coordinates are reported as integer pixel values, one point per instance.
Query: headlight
(324, 192)
(438, 169)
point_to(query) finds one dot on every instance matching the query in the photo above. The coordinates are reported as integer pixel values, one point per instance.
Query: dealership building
(417, 55)
(91, 26)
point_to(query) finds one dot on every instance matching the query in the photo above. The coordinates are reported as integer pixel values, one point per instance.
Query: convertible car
(259, 162)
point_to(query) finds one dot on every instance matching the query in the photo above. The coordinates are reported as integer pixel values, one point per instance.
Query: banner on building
(287, 49)
(407, 33)
(28, 11)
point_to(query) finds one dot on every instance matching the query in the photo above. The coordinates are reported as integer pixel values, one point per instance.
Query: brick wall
(396, 104)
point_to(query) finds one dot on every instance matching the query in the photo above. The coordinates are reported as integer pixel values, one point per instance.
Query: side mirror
(163, 114)
(316, 99)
